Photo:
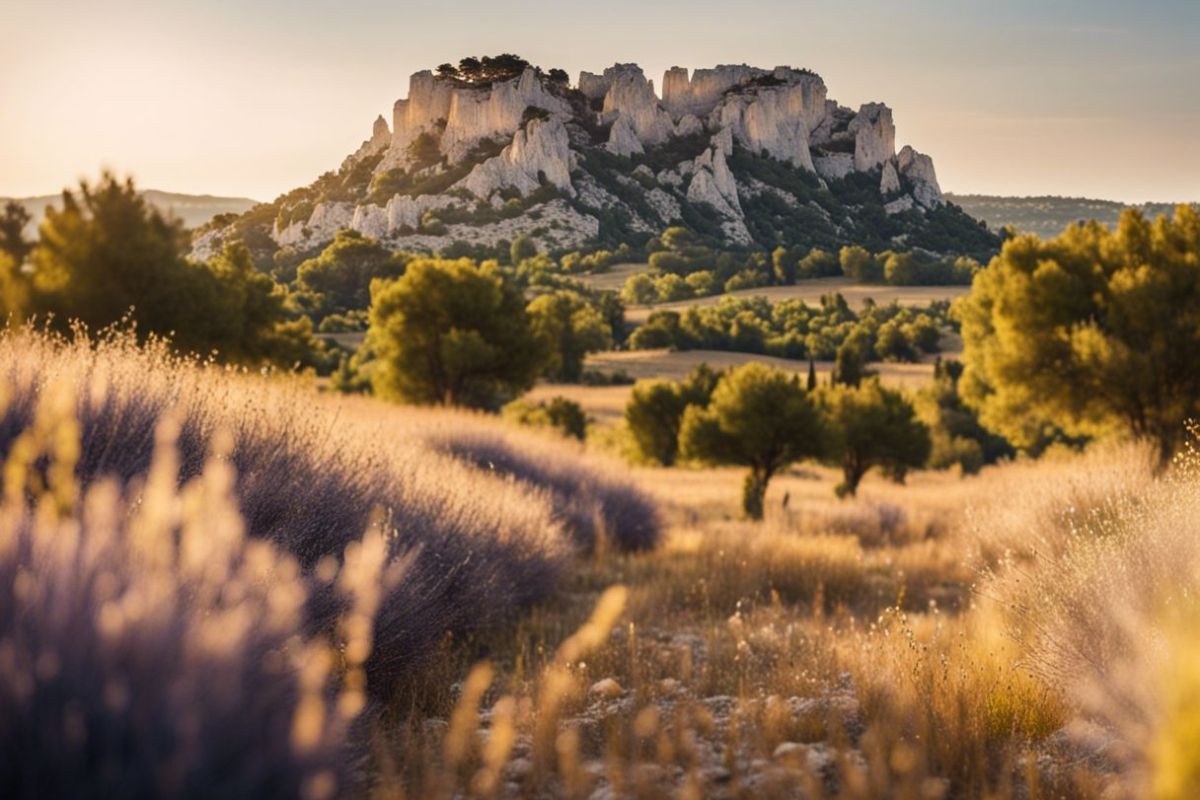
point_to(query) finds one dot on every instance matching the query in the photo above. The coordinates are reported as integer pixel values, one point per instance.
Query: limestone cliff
(479, 154)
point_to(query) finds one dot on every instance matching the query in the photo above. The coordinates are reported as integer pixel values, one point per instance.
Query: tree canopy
(759, 417)
(1093, 332)
(870, 426)
(108, 256)
(570, 328)
(452, 333)
(341, 275)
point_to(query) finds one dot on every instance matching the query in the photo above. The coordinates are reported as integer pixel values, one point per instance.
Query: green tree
(785, 263)
(870, 426)
(521, 249)
(343, 272)
(759, 417)
(655, 411)
(639, 290)
(1096, 331)
(106, 252)
(452, 333)
(13, 221)
(424, 151)
(107, 256)
(570, 327)
(850, 364)
(860, 266)
(812, 376)
(558, 414)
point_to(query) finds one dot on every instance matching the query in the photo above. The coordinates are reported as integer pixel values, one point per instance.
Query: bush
(151, 650)
(308, 493)
(557, 413)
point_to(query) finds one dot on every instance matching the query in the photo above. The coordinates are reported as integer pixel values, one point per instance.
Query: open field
(606, 404)
(810, 292)
(525, 618)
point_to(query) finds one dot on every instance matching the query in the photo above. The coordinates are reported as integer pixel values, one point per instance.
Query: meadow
(206, 571)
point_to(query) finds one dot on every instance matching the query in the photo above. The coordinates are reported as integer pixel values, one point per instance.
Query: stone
(874, 136)
(605, 689)
(541, 149)
(899, 205)
(775, 119)
(918, 169)
(623, 139)
(889, 181)
(632, 96)
(701, 93)
(688, 125)
(835, 166)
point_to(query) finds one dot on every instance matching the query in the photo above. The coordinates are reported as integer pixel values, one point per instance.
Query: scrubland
(215, 583)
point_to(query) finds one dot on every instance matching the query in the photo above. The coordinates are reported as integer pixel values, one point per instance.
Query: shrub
(558, 413)
(152, 650)
(299, 487)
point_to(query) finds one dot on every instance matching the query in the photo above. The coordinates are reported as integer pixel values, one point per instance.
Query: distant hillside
(1046, 216)
(194, 209)
(496, 148)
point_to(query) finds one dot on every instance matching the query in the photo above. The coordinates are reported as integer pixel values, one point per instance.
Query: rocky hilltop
(494, 148)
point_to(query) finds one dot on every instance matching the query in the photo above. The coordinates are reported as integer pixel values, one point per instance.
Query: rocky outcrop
(700, 94)
(550, 137)
(889, 181)
(476, 114)
(917, 168)
(381, 139)
(631, 97)
(874, 136)
(541, 150)
(623, 139)
(835, 166)
(775, 118)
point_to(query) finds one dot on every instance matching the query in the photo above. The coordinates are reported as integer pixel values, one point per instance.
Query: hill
(193, 209)
(495, 148)
(1046, 216)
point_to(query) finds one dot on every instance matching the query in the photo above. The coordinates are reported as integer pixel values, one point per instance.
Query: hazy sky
(254, 97)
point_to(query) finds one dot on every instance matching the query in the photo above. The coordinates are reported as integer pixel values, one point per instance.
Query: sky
(1094, 98)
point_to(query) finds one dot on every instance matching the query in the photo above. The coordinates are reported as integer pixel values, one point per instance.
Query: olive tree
(1094, 332)
(452, 333)
(870, 426)
(759, 417)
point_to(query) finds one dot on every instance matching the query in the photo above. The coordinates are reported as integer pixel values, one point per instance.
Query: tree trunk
(852, 473)
(754, 489)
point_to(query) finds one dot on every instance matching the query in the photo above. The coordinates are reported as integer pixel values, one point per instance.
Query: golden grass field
(605, 405)
(514, 625)
(810, 291)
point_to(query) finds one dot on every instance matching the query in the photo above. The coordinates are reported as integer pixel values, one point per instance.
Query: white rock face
(540, 149)
(623, 139)
(476, 114)
(835, 166)
(381, 139)
(700, 94)
(324, 222)
(632, 97)
(688, 125)
(428, 102)
(469, 114)
(874, 136)
(775, 119)
(889, 182)
(918, 168)
(713, 183)
(898, 205)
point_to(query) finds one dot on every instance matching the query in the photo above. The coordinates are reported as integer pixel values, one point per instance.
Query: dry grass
(811, 291)
(985, 636)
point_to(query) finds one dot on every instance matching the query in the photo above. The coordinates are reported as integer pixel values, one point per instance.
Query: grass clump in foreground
(311, 474)
(783, 660)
